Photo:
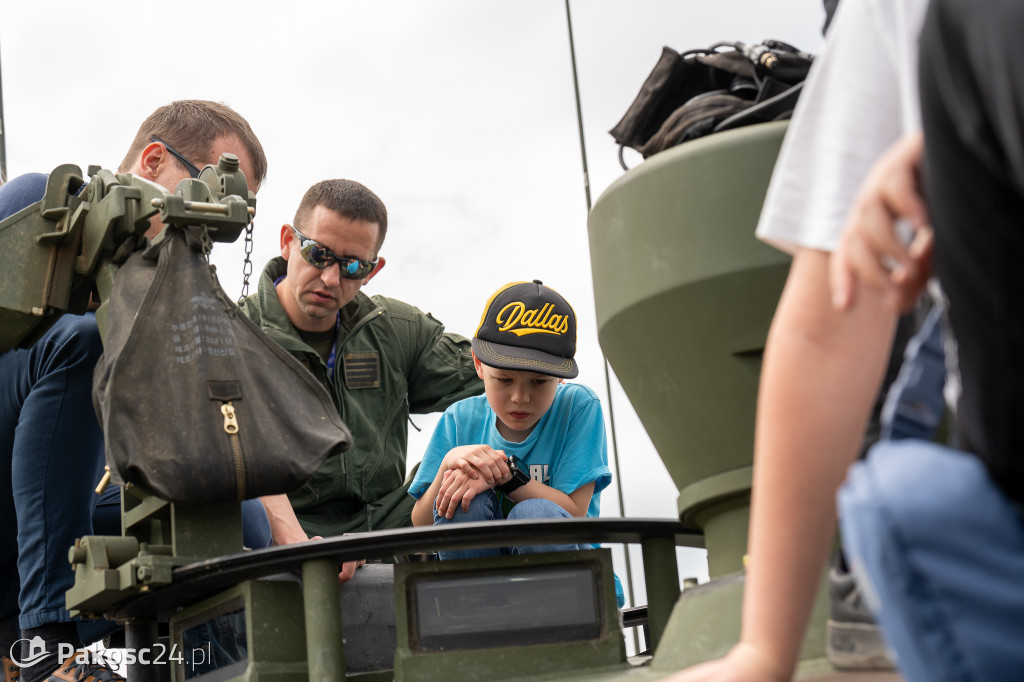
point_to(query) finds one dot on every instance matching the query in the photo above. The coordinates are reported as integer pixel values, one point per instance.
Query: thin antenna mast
(607, 374)
(3, 135)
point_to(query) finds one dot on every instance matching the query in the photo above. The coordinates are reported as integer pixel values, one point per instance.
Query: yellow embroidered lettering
(516, 319)
(513, 318)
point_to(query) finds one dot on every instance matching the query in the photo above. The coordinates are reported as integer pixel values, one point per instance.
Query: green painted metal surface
(321, 600)
(685, 294)
(275, 631)
(706, 621)
(502, 660)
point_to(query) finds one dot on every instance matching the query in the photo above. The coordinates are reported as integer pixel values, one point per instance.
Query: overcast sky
(460, 114)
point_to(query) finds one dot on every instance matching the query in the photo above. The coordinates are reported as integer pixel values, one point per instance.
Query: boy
(531, 447)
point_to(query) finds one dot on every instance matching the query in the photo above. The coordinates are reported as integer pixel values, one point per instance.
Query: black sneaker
(853, 638)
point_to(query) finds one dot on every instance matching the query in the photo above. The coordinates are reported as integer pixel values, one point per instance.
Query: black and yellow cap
(528, 326)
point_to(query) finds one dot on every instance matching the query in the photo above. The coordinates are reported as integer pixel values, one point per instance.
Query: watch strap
(518, 480)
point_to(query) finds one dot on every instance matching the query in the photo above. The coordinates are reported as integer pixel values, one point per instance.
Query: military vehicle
(175, 574)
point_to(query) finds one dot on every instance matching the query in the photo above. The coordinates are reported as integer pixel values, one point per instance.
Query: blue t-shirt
(566, 449)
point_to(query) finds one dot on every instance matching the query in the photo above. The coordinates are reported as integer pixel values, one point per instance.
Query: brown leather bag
(196, 403)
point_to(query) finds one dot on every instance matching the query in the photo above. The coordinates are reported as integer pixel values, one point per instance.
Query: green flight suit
(390, 359)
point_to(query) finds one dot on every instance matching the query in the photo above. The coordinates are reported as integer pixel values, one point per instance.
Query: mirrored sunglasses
(320, 257)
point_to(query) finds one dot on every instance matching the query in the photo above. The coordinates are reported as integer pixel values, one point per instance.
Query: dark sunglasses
(189, 166)
(321, 258)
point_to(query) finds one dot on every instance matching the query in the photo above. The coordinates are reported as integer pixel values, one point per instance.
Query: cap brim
(524, 359)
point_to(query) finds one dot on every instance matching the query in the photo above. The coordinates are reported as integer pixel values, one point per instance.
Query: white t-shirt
(860, 96)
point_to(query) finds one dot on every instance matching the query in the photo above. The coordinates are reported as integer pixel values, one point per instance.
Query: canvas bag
(703, 91)
(196, 403)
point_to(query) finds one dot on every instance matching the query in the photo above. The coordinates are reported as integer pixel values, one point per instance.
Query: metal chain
(247, 265)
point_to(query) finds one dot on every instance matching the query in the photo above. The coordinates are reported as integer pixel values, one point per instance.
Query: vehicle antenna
(3, 136)
(607, 374)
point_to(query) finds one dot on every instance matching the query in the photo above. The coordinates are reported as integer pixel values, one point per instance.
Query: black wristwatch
(518, 480)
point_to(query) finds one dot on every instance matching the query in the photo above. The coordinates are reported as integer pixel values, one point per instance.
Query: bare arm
(458, 488)
(822, 369)
(576, 503)
(476, 462)
(284, 525)
(285, 530)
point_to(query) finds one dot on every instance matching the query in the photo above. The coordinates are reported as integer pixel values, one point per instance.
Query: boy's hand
(458, 488)
(478, 462)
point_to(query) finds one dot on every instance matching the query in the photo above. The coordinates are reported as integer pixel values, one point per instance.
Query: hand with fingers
(466, 471)
(871, 252)
(478, 461)
(458, 489)
(348, 568)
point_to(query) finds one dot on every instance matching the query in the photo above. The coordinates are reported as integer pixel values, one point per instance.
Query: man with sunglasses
(49, 436)
(379, 358)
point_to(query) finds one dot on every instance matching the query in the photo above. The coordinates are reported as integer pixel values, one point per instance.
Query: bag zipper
(231, 428)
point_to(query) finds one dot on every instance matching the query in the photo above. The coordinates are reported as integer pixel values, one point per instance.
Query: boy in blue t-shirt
(532, 446)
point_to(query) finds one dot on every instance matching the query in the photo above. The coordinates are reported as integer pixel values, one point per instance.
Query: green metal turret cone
(685, 294)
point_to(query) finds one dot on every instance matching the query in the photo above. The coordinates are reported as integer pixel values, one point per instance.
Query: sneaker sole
(856, 646)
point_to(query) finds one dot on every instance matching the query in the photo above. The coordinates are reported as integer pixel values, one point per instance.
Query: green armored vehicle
(174, 572)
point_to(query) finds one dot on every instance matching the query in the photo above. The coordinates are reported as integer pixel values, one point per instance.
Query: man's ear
(150, 161)
(479, 366)
(373, 273)
(287, 235)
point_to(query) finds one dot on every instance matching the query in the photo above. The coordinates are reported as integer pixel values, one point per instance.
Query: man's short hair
(191, 126)
(347, 198)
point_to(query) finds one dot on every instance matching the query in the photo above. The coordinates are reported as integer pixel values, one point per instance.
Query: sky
(459, 114)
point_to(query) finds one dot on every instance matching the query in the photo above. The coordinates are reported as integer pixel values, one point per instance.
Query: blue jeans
(52, 447)
(939, 553)
(487, 507)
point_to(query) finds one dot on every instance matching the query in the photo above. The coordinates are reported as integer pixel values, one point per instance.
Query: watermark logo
(160, 654)
(36, 652)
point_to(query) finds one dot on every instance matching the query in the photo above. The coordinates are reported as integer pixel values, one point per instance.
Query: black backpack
(705, 91)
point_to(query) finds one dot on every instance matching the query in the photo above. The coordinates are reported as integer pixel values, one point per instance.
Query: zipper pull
(104, 482)
(230, 423)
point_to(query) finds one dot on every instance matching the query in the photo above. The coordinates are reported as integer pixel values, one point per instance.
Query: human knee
(77, 339)
(918, 478)
(537, 508)
(481, 508)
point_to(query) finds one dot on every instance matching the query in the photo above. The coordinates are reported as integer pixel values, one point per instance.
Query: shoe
(853, 638)
(12, 673)
(96, 670)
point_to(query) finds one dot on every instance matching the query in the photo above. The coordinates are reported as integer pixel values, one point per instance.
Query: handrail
(200, 579)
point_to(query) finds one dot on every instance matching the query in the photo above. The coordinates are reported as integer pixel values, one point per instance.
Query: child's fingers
(467, 497)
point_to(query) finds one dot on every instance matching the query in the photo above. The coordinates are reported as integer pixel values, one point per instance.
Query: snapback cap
(528, 326)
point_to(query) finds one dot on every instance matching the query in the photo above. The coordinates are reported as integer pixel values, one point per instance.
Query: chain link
(247, 265)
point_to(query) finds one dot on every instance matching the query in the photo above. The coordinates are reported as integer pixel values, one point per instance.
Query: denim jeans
(52, 448)
(53, 458)
(939, 553)
(487, 507)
